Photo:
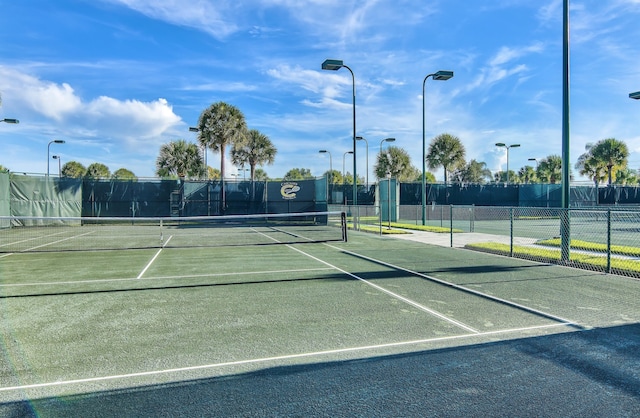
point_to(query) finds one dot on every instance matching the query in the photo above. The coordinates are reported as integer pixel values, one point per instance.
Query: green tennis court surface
(370, 327)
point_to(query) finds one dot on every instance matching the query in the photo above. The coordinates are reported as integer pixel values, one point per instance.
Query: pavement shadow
(575, 374)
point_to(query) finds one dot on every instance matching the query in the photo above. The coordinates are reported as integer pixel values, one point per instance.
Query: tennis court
(288, 323)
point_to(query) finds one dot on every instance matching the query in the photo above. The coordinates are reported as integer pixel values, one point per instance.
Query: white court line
(31, 239)
(60, 240)
(186, 276)
(144, 270)
(274, 359)
(462, 288)
(382, 289)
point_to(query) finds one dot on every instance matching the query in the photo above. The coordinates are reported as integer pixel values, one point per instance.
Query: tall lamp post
(343, 171)
(335, 65)
(330, 176)
(360, 138)
(9, 120)
(534, 160)
(442, 76)
(343, 164)
(386, 140)
(635, 95)
(57, 157)
(503, 145)
(55, 141)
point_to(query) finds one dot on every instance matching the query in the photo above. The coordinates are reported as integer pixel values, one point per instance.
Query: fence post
(473, 218)
(451, 224)
(510, 232)
(608, 240)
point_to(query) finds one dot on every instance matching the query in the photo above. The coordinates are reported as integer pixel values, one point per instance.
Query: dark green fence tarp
(53, 196)
(5, 199)
(5, 194)
(127, 198)
(45, 196)
(388, 196)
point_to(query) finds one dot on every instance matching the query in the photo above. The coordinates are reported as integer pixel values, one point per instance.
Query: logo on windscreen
(288, 190)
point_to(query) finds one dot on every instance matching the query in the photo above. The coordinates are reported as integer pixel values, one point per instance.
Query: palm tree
(550, 169)
(213, 173)
(298, 174)
(501, 177)
(97, 171)
(446, 151)
(397, 162)
(473, 172)
(220, 125)
(611, 153)
(261, 175)
(627, 177)
(588, 166)
(73, 169)
(124, 174)
(180, 158)
(256, 150)
(527, 174)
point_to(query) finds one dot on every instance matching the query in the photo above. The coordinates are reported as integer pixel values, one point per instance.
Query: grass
(402, 228)
(596, 262)
(593, 246)
(376, 229)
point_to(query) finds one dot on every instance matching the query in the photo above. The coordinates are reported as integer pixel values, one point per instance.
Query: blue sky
(116, 79)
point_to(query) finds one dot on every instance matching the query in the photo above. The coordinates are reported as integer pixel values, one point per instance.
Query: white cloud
(208, 16)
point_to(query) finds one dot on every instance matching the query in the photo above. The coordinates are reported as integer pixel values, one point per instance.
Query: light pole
(503, 145)
(635, 95)
(343, 164)
(386, 140)
(9, 120)
(443, 76)
(55, 141)
(344, 173)
(335, 65)
(57, 157)
(330, 176)
(535, 160)
(324, 151)
(360, 138)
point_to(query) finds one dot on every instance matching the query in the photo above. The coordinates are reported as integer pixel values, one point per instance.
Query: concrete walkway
(461, 239)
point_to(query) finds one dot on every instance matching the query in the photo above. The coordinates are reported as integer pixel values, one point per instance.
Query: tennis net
(36, 234)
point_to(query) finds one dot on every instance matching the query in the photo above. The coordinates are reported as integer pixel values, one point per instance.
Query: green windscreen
(45, 196)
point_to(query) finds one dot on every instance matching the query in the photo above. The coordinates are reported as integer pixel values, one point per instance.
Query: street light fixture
(55, 141)
(9, 120)
(534, 159)
(330, 176)
(343, 165)
(335, 65)
(324, 151)
(360, 138)
(635, 95)
(441, 76)
(503, 145)
(57, 157)
(386, 140)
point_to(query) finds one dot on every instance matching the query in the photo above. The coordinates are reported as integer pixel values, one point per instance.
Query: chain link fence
(603, 240)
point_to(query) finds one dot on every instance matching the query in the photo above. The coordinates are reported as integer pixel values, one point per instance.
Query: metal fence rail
(604, 240)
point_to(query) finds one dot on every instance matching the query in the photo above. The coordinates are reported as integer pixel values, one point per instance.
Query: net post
(343, 224)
